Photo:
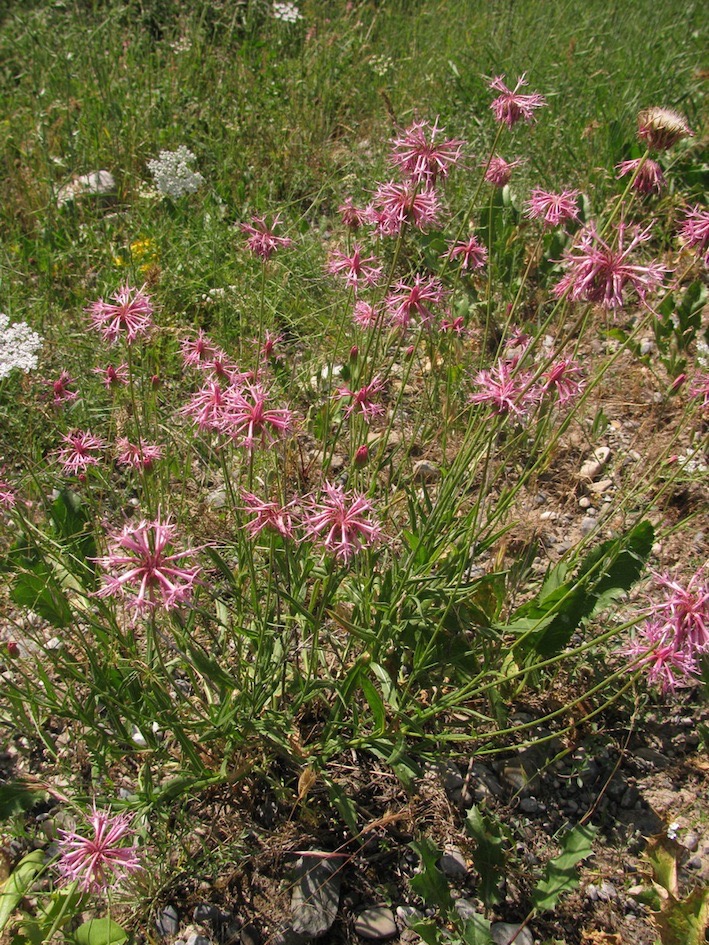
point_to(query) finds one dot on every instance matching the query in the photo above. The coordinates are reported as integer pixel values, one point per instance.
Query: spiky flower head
(694, 231)
(129, 315)
(98, 862)
(342, 521)
(649, 179)
(661, 128)
(421, 156)
(551, 208)
(499, 170)
(512, 105)
(262, 239)
(81, 449)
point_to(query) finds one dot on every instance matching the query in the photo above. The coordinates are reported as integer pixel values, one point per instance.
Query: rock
(503, 933)
(465, 909)
(593, 466)
(94, 184)
(588, 523)
(316, 895)
(603, 485)
(453, 864)
(636, 891)
(653, 757)
(424, 471)
(529, 805)
(196, 938)
(584, 502)
(694, 863)
(250, 935)
(168, 922)
(691, 841)
(485, 784)
(217, 498)
(376, 924)
(450, 776)
(207, 914)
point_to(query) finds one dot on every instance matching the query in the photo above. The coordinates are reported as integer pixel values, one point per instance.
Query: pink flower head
(61, 394)
(352, 217)
(79, 452)
(473, 254)
(207, 406)
(366, 315)
(597, 273)
(144, 571)
(660, 128)
(421, 157)
(656, 650)
(455, 326)
(342, 522)
(499, 170)
(247, 420)
(356, 269)
(129, 314)
(553, 209)
(394, 204)
(511, 105)
(196, 352)
(137, 456)
(685, 611)
(507, 391)
(8, 496)
(407, 301)
(113, 375)
(98, 862)
(650, 179)
(263, 241)
(564, 378)
(694, 231)
(362, 399)
(268, 515)
(700, 388)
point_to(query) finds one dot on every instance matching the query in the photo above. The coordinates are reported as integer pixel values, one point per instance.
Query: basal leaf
(560, 875)
(19, 883)
(430, 883)
(489, 855)
(100, 932)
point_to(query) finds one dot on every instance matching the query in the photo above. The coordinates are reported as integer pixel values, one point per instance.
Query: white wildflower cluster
(702, 354)
(172, 173)
(287, 12)
(380, 65)
(18, 347)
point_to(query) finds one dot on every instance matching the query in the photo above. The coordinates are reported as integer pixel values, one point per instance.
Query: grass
(283, 653)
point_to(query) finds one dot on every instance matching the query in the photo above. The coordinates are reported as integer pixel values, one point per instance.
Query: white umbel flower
(18, 347)
(173, 174)
(287, 12)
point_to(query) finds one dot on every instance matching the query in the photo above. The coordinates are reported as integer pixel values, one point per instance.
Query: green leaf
(430, 883)
(38, 590)
(100, 932)
(376, 704)
(662, 854)
(19, 883)
(560, 874)
(476, 931)
(684, 921)
(489, 855)
(16, 798)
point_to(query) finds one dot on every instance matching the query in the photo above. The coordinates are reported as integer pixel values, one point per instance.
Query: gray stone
(424, 471)
(217, 498)
(465, 909)
(453, 864)
(603, 485)
(196, 938)
(168, 922)
(376, 924)
(691, 841)
(594, 465)
(694, 863)
(208, 914)
(316, 895)
(450, 776)
(510, 933)
(588, 523)
(529, 805)
(250, 935)
(94, 184)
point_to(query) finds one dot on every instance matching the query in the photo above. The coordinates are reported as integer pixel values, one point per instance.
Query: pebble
(453, 864)
(206, 913)
(168, 922)
(691, 841)
(588, 523)
(529, 805)
(425, 471)
(593, 466)
(584, 502)
(96, 184)
(465, 909)
(376, 924)
(485, 783)
(196, 938)
(694, 863)
(217, 499)
(603, 485)
(504, 932)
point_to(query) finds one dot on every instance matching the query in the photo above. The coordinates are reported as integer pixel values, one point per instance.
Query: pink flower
(420, 157)
(79, 452)
(553, 209)
(597, 273)
(263, 241)
(650, 179)
(341, 520)
(666, 666)
(660, 128)
(207, 407)
(268, 348)
(130, 313)
(394, 204)
(352, 217)
(8, 496)
(685, 611)
(268, 515)
(565, 379)
(473, 254)
(455, 326)
(362, 399)
(356, 269)
(407, 301)
(700, 388)
(506, 391)
(499, 171)
(196, 352)
(113, 376)
(144, 571)
(247, 419)
(366, 315)
(60, 389)
(694, 231)
(99, 862)
(512, 105)
(137, 456)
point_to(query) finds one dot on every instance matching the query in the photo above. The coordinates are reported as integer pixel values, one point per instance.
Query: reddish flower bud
(362, 456)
